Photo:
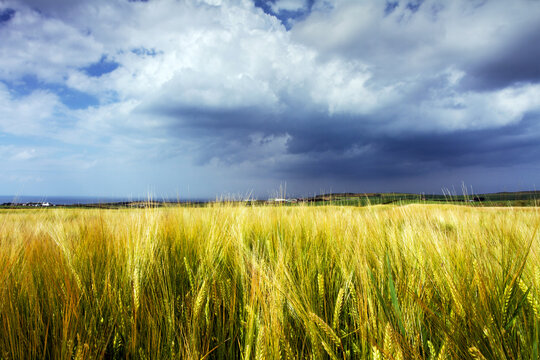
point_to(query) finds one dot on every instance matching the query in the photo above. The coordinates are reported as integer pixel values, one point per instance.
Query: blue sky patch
(102, 67)
(6, 15)
(75, 99)
(72, 98)
(414, 5)
(390, 7)
(145, 52)
(286, 17)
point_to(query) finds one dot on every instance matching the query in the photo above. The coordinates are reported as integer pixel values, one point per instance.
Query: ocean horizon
(82, 200)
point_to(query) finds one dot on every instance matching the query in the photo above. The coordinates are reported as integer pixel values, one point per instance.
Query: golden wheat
(242, 282)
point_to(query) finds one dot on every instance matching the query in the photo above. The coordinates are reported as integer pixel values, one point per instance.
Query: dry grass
(413, 282)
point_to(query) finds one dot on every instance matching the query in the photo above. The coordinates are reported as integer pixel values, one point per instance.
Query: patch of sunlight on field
(235, 282)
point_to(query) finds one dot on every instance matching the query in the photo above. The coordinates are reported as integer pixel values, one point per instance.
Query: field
(268, 282)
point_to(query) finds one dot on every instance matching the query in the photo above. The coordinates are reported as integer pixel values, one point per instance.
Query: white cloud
(33, 44)
(31, 115)
(26, 154)
(405, 43)
(177, 55)
(474, 111)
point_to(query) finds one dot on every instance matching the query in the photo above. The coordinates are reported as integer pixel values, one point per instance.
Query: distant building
(281, 200)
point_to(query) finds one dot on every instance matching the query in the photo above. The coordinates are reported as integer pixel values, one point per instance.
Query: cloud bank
(104, 96)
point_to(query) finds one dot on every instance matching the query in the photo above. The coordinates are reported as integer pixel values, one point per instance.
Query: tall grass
(398, 282)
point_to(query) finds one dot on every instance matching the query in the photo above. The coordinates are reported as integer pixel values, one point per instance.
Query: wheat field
(270, 282)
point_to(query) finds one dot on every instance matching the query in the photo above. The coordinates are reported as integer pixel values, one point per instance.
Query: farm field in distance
(409, 281)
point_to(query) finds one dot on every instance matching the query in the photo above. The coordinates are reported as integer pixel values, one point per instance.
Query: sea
(81, 200)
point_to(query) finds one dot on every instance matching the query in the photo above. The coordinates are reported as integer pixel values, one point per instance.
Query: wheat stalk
(320, 288)
(199, 300)
(388, 340)
(338, 307)
(475, 353)
(260, 349)
(326, 329)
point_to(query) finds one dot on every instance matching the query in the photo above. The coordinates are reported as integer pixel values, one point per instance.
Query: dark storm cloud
(347, 147)
(217, 120)
(515, 60)
(508, 145)
(414, 155)
(308, 131)
(324, 137)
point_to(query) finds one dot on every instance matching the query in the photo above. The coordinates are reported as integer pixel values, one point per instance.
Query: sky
(203, 98)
